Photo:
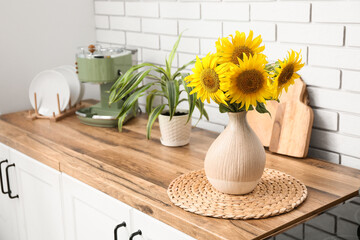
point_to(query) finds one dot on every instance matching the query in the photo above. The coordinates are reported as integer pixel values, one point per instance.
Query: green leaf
(260, 107)
(172, 54)
(149, 100)
(122, 118)
(152, 117)
(200, 105)
(129, 103)
(172, 92)
(132, 84)
(177, 73)
(223, 108)
(191, 97)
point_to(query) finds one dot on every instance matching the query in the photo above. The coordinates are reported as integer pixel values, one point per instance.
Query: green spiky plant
(167, 85)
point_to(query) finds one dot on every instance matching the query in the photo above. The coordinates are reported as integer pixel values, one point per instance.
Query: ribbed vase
(235, 161)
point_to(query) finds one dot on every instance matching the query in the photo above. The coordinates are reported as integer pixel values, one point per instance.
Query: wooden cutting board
(288, 130)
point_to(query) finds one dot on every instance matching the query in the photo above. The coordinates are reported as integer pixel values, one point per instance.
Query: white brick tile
(284, 11)
(102, 21)
(325, 119)
(142, 9)
(324, 155)
(321, 77)
(350, 124)
(111, 8)
(207, 125)
(334, 99)
(334, 57)
(225, 11)
(207, 45)
(350, 161)
(335, 142)
(159, 26)
(266, 30)
(108, 36)
(143, 40)
(180, 10)
(324, 34)
(184, 58)
(188, 45)
(200, 28)
(275, 51)
(214, 115)
(157, 57)
(125, 23)
(353, 36)
(339, 11)
(351, 80)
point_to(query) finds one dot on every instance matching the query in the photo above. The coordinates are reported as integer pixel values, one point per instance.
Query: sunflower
(285, 74)
(207, 79)
(230, 51)
(248, 82)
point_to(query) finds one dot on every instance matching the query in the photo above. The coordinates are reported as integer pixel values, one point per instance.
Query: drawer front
(91, 214)
(153, 229)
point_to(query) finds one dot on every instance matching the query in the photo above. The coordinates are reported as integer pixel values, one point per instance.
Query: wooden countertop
(137, 171)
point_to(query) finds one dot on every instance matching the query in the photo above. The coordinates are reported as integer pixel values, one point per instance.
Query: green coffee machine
(103, 66)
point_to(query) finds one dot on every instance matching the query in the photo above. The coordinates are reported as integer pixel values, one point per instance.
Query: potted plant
(175, 123)
(239, 79)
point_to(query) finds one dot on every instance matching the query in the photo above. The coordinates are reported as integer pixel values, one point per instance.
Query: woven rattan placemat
(276, 193)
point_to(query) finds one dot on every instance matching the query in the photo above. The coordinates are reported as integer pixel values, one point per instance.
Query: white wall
(327, 32)
(37, 35)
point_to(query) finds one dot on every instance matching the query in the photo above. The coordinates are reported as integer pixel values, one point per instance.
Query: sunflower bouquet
(239, 78)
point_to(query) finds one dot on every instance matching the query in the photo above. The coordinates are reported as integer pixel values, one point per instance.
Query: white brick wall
(326, 32)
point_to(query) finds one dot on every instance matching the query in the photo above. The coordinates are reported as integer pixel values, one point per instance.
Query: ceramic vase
(235, 161)
(174, 132)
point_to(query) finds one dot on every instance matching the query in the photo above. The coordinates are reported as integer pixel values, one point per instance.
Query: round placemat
(276, 193)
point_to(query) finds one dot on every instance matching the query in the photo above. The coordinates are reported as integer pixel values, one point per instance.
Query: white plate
(73, 81)
(82, 88)
(47, 85)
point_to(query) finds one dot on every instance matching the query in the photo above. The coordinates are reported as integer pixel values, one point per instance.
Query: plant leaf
(191, 97)
(149, 100)
(260, 107)
(130, 101)
(223, 108)
(200, 105)
(152, 117)
(172, 90)
(172, 54)
(177, 73)
(132, 84)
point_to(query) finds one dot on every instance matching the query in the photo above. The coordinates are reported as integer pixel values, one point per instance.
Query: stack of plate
(47, 84)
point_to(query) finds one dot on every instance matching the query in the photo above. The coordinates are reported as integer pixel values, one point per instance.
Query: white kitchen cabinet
(153, 229)
(8, 210)
(91, 214)
(54, 206)
(39, 205)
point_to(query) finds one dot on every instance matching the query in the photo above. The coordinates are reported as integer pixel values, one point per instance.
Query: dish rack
(55, 117)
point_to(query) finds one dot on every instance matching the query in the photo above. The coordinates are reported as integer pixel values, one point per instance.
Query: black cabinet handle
(138, 232)
(123, 224)
(8, 182)
(1, 182)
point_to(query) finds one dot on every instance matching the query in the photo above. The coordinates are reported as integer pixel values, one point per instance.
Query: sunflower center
(250, 81)
(210, 80)
(239, 53)
(286, 74)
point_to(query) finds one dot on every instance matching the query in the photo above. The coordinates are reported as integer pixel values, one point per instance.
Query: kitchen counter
(137, 171)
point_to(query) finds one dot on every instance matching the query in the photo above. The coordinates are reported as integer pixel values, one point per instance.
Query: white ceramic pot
(235, 161)
(176, 132)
